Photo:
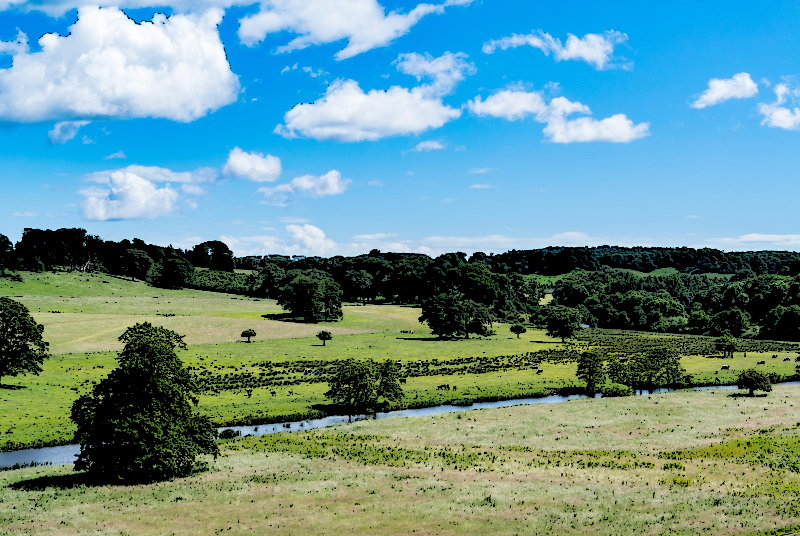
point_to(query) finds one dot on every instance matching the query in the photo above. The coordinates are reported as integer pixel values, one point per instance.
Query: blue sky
(337, 126)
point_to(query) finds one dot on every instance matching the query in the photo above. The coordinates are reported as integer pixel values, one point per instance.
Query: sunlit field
(687, 462)
(285, 358)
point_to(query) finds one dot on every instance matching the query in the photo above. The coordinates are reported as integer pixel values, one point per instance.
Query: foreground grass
(679, 463)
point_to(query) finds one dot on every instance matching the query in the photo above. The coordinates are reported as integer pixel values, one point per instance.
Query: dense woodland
(758, 297)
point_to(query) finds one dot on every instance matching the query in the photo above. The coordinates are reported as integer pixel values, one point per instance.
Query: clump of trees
(138, 423)
(363, 386)
(591, 371)
(315, 298)
(655, 368)
(22, 349)
(562, 321)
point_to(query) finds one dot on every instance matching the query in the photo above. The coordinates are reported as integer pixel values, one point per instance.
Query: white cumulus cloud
(427, 146)
(778, 116)
(63, 131)
(110, 66)
(595, 49)
(741, 86)
(363, 23)
(515, 104)
(330, 183)
(252, 166)
(752, 241)
(133, 192)
(56, 8)
(347, 114)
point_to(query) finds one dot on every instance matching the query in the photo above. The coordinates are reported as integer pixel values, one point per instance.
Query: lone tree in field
(324, 336)
(590, 370)
(137, 424)
(754, 380)
(358, 386)
(726, 344)
(518, 329)
(562, 321)
(21, 346)
(248, 333)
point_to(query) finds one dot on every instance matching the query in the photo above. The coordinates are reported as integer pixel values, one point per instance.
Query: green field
(688, 462)
(285, 357)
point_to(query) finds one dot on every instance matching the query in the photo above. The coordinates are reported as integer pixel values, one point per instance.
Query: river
(66, 454)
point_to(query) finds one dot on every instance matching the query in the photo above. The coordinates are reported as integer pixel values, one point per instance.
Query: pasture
(687, 462)
(286, 359)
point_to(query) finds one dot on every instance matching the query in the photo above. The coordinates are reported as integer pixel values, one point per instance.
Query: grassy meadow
(84, 314)
(688, 462)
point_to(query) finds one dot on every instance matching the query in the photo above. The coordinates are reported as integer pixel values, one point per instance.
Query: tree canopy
(138, 424)
(562, 322)
(753, 380)
(590, 370)
(358, 386)
(22, 348)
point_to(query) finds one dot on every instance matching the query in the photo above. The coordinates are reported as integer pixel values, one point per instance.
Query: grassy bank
(679, 463)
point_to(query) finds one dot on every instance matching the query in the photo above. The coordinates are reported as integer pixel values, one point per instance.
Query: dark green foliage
(782, 323)
(659, 367)
(175, 273)
(590, 370)
(136, 263)
(611, 390)
(359, 385)
(138, 425)
(726, 344)
(324, 336)
(248, 333)
(753, 380)
(214, 255)
(22, 348)
(733, 321)
(217, 281)
(562, 321)
(313, 299)
(449, 315)
(6, 255)
(518, 329)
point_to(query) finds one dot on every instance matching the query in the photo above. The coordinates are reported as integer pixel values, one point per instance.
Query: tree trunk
(323, 342)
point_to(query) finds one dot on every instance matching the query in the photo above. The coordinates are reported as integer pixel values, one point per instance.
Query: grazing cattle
(786, 359)
(539, 371)
(273, 393)
(443, 387)
(775, 356)
(249, 392)
(725, 367)
(402, 380)
(291, 393)
(761, 363)
(454, 388)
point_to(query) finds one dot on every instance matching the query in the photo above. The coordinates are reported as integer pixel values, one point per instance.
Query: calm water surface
(66, 454)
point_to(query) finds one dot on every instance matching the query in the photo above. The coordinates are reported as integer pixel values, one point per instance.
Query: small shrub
(611, 390)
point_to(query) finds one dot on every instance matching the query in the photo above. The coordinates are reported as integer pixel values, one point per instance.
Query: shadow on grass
(68, 481)
(424, 339)
(12, 387)
(747, 395)
(284, 317)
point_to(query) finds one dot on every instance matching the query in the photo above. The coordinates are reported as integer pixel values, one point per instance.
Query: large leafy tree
(359, 386)
(753, 380)
(22, 348)
(138, 423)
(659, 367)
(449, 315)
(590, 370)
(314, 299)
(562, 321)
(726, 344)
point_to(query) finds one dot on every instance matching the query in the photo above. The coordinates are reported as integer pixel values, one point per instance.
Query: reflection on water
(66, 454)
